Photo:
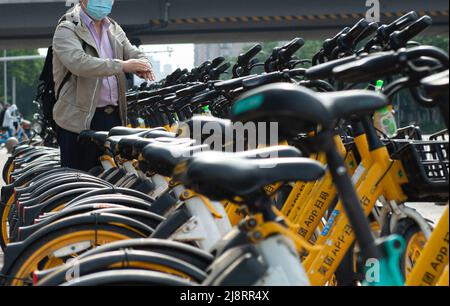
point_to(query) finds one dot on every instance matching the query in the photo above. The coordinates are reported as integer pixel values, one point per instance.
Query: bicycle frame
(431, 264)
(383, 177)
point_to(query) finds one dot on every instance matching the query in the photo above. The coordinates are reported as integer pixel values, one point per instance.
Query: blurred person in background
(10, 119)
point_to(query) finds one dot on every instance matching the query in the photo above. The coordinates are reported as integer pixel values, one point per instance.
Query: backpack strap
(69, 74)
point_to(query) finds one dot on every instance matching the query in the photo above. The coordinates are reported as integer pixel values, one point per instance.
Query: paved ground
(428, 210)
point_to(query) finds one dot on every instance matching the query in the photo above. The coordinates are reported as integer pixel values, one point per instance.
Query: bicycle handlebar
(366, 69)
(256, 81)
(371, 29)
(399, 39)
(245, 58)
(386, 63)
(290, 49)
(323, 71)
(384, 31)
(331, 43)
(216, 72)
(273, 77)
(349, 39)
(399, 24)
(217, 61)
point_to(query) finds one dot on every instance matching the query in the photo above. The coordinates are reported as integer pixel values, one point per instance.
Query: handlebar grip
(176, 74)
(371, 29)
(353, 34)
(219, 70)
(400, 23)
(257, 81)
(287, 52)
(244, 58)
(323, 71)
(331, 43)
(367, 69)
(291, 43)
(204, 65)
(183, 73)
(217, 61)
(399, 39)
(171, 78)
(384, 31)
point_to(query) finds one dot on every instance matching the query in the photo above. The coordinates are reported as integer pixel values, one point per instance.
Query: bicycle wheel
(57, 247)
(4, 227)
(129, 278)
(125, 259)
(415, 241)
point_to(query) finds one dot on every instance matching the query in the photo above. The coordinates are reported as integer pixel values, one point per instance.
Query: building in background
(206, 52)
(168, 69)
(156, 64)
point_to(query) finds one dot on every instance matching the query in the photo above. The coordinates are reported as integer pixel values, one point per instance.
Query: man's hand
(147, 75)
(135, 66)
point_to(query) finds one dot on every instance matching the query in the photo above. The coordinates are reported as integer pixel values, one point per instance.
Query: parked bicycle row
(183, 197)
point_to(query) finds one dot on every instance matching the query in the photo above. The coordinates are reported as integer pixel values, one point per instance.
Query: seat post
(349, 197)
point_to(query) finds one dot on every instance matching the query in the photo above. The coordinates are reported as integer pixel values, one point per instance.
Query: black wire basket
(426, 165)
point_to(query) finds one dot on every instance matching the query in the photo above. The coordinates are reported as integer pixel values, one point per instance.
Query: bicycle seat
(301, 110)
(224, 176)
(272, 152)
(112, 143)
(163, 159)
(98, 138)
(133, 147)
(126, 144)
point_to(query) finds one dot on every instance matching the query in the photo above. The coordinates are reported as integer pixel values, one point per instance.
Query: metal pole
(5, 78)
(14, 90)
(22, 58)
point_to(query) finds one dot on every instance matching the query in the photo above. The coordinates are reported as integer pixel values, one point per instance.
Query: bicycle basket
(426, 165)
(441, 135)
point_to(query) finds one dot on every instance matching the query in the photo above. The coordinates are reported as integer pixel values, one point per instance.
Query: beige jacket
(77, 101)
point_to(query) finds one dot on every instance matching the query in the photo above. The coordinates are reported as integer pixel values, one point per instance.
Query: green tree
(439, 41)
(27, 78)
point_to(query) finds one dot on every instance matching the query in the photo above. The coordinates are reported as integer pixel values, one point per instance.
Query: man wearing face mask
(91, 54)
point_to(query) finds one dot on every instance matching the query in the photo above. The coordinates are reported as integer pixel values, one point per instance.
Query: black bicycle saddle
(301, 110)
(224, 176)
(88, 136)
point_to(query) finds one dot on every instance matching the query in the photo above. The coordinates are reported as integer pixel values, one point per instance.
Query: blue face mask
(99, 9)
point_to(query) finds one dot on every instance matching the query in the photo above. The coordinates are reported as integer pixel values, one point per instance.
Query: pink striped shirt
(109, 91)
